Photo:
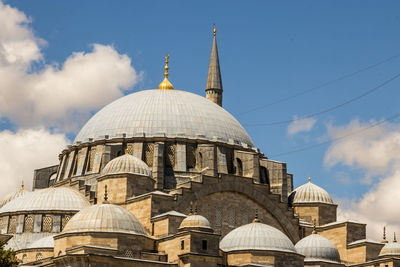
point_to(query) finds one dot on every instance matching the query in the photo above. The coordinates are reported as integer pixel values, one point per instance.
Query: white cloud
(22, 152)
(53, 95)
(300, 125)
(376, 152)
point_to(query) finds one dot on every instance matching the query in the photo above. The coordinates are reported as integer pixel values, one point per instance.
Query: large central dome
(169, 113)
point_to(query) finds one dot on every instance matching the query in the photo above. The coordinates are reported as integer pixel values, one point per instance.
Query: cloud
(376, 153)
(54, 95)
(300, 125)
(22, 152)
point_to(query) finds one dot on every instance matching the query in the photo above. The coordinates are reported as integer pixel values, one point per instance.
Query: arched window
(24, 258)
(239, 166)
(28, 224)
(264, 176)
(200, 161)
(47, 224)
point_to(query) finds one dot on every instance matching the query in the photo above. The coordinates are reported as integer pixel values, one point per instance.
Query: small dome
(126, 164)
(195, 221)
(256, 236)
(104, 218)
(54, 199)
(390, 249)
(310, 193)
(317, 247)
(45, 242)
(12, 196)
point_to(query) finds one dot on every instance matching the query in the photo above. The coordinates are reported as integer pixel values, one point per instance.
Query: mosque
(170, 178)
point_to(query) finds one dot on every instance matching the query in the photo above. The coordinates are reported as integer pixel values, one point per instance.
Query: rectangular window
(182, 244)
(204, 244)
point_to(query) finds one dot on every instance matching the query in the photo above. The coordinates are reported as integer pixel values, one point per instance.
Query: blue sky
(269, 50)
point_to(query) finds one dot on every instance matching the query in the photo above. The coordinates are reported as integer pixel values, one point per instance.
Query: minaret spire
(214, 82)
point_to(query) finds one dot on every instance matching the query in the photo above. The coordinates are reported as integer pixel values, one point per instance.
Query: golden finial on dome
(309, 179)
(22, 185)
(215, 31)
(394, 238)
(165, 84)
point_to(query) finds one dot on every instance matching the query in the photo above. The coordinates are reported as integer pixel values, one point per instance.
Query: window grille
(148, 154)
(218, 217)
(28, 224)
(65, 219)
(39, 256)
(128, 253)
(91, 158)
(47, 224)
(170, 159)
(13, 225)
(191, 156)
(129, 149)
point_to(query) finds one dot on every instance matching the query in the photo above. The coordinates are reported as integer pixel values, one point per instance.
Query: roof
(170, 213)
(45, 242)
(317, 248)
(104, 218)
(49, 199)
(361, 241)
(195, 221)
(390, 249)
(165, 113)
(126, 164)
(310, 193)
(256, 236)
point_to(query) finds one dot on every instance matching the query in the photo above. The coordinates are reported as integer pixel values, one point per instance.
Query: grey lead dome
(256, 236)
(126, 164)
(106, 218)
(317, 248)
(310, 193)
(169, 113)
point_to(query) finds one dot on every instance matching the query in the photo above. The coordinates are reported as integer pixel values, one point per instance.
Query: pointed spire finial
(105, 195)
(394, 237)
(314, 227)
(191, 208)
(165, 84)
(384, 235)
(309, 179)
(22, 185)
(214, 81)
(127, 150)
(256, 219)
(195, 210)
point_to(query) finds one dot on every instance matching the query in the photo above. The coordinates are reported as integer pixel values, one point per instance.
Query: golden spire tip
(22, 185)
(215, 30)
(165, 84)
(309, 179)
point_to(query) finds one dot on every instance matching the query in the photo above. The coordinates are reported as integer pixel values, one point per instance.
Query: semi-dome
(310, 193)
(195, 221)
(49, 199)
(126, 164)
(317, 248)
(256, 236)
(104, 218)
(45, 242)
(165, 113)
(390, 249)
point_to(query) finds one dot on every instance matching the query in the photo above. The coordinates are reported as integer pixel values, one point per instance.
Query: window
(204, 244)
(239, 165)
(47, 224)
(64, 221)
(182, 244)
(12, 227)
(128, 253)
(24, 258)
(29, 224)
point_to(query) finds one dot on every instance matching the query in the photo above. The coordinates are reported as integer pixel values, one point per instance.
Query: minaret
(214, 82)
